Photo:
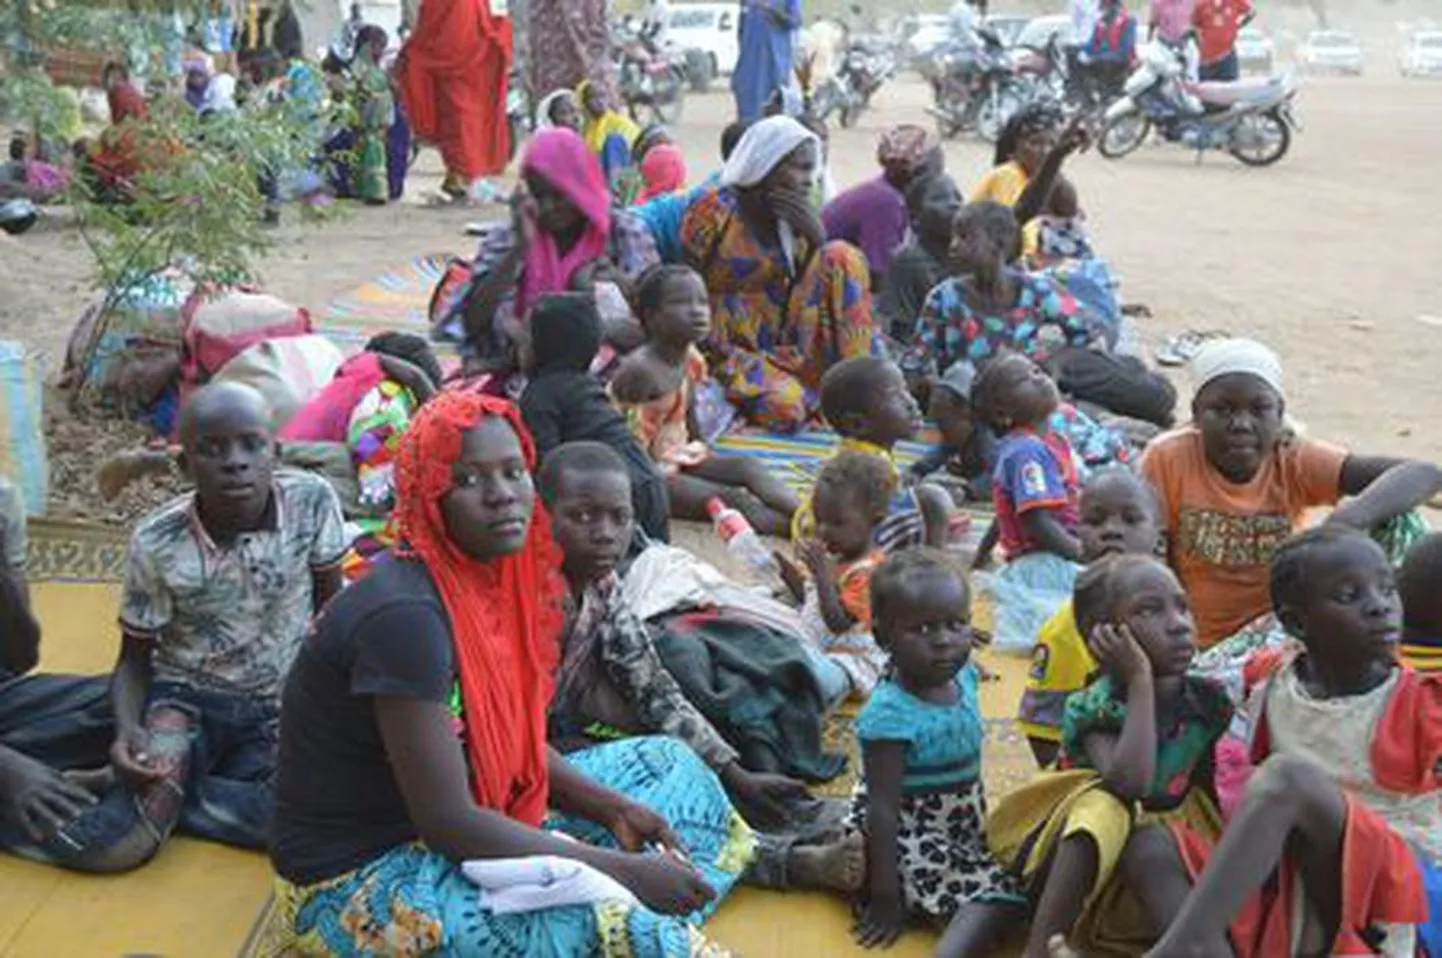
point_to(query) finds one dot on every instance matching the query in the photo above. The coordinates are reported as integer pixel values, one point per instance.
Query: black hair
(371, 33)
(653, 134)
(893, 579)
(849, 388)
(1036, 115)
(1130, 476)
(114, 66)
(917, 190)
(983, 389)
(997, 221)
(583, 456)
(1419, 581)
(410, 347)
(565, 332)
(731, 136)
(17, 147)
(1096, 592)
(867, 479)
(1288, 581)
(651, 287)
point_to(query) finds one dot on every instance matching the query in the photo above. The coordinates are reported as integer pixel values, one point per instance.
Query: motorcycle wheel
(1123, 135)
(1268, 138)
(993, 113)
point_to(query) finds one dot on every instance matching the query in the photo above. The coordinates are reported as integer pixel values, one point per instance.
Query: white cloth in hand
(514, 885)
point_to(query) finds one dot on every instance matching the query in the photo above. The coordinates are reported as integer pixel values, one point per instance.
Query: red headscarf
(505, 613)
(559, 156)
(664, 170)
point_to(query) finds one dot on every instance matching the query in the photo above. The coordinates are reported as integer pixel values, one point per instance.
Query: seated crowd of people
(484, 706)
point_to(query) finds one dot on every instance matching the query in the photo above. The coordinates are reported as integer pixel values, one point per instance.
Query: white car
(710, 27)
(1255, 50)
(1041, 29)
(1422, 55)
(1330, 51)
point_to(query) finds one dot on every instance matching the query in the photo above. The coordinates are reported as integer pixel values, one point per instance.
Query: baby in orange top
(655, 387)
(851, 497)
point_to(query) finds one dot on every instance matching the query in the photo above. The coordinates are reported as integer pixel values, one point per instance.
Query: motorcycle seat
(1230, 92)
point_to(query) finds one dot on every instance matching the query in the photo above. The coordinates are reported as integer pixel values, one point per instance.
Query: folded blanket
(755, 685)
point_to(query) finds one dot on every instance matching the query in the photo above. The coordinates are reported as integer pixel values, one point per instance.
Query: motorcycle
(651, 81)
(975, 89)
(867, 64)
(1251, 119)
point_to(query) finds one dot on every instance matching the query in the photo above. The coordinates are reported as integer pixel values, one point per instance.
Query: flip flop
(1178, 350)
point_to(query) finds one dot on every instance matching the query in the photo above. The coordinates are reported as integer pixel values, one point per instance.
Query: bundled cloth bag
(217, 324)
(288, 372)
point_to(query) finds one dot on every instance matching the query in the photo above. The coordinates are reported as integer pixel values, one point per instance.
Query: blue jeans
(1225, 70)
(65, 722)
(230, 788)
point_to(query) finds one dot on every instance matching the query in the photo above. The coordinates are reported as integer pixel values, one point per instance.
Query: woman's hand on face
(523, 215)
(795, 208)
(1076, 137)
(666, 883)
(1115, 647)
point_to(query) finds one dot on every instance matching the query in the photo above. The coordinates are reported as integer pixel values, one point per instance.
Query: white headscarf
(762, 148)
(1225, 357)
(543, 109)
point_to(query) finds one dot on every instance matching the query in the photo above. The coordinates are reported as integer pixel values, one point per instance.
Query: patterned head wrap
(903, 149)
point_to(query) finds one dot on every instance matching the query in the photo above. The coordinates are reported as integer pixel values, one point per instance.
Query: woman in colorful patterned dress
(785, 303)
(414, 764)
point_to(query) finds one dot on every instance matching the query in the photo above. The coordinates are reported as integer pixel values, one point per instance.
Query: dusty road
(1332, 256)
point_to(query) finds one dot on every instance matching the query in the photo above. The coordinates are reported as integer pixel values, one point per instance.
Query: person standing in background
(452, 76)
(1217, 23)
(1171, 19)
(570, 41)
(766, 36)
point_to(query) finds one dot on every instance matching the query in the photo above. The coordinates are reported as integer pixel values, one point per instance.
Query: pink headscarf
(663, 169)
(559, 156)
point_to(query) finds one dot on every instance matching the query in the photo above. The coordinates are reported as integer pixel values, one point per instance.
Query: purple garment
(871, 216)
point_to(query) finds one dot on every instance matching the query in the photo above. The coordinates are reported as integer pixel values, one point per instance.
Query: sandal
(1178, 350)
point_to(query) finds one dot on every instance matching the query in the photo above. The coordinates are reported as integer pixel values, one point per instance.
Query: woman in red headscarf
(452, 75)
(414, 740)
(562, 236)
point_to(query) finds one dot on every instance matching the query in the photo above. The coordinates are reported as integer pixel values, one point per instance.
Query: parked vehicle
(867, 64)
(1256, 52)
(708, 27)
(923, 35)
(1250, 119)
(1422, 55)
(1331, 51)
(975, 88)
(1006, 26)
(652, 83)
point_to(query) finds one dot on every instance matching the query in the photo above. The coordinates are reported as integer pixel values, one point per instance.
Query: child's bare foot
(96, 781)
(839, 866)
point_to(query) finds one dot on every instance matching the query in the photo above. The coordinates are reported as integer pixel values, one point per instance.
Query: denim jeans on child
(229, 791)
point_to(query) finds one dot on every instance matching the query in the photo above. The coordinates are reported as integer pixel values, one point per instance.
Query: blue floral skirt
(412, 901)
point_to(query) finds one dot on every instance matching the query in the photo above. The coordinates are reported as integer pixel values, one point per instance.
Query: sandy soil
(1330, 256)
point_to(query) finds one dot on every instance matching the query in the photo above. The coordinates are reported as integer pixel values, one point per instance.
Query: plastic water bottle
(741, 540)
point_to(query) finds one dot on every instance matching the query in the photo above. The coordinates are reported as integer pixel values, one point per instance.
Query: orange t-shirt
(1221, 536)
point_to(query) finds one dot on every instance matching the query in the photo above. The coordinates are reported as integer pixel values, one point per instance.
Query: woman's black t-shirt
(337, 802)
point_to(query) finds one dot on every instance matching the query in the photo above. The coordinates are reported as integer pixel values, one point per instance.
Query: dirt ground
(1331, 256)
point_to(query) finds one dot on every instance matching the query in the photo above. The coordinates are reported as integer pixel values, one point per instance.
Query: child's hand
(1116, 647)
(814, 556)
(128, 756)
(793, 578)
(880, 923)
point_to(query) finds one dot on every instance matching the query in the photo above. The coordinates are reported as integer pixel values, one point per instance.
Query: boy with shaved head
(220, 585)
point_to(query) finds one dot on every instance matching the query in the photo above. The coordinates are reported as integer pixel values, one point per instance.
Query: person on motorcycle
(1106, 57)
